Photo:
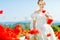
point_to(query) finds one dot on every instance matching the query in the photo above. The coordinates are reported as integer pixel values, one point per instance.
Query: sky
(18, 10)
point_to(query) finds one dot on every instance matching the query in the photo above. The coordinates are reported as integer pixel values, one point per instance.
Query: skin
(41, 5)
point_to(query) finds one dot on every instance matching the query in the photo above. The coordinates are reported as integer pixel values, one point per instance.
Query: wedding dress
(41, 24)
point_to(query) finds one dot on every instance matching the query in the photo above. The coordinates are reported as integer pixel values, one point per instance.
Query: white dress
(42, 25)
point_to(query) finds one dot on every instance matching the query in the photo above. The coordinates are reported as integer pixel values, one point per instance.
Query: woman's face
(41, 4)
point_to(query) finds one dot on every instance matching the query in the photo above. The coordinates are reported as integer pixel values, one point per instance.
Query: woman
(39, 21)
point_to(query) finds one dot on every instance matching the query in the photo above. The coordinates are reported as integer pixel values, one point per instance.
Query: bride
(39, 21)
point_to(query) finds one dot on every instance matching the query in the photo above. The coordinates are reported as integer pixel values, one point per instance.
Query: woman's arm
(49, 18)
(48, 15)
(33, 20)
(34, 23)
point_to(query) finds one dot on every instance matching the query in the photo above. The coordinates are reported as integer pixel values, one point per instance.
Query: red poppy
(4, 35)
(49, 21)
(34, 31)
(1, 11)
(7, 34)
(43, 11)
(48, 35)
(18, 29)
(9, 29)
(58, 35)
(27, 37)
(1, 28)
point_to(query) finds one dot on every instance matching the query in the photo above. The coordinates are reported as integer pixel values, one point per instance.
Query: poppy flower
(7, 34)
(9, 29)
(34, 31)
(43, 11)
(48, 35)
(1, 11)
(18, 29)
(49, 21)
(58, 35)
(27, 37)
(1, 28)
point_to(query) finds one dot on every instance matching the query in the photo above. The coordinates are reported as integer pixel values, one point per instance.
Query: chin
(41, 7)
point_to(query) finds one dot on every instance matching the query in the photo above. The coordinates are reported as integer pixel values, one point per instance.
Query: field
(13, 26)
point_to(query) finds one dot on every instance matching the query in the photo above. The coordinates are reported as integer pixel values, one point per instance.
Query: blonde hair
(41, 0)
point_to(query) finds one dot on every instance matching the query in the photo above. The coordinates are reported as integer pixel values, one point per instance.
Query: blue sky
(17, 10)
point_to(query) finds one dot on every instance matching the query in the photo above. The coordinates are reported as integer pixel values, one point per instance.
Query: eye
(41, 4)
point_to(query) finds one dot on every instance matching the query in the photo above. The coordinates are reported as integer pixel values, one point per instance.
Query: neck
(41, 9)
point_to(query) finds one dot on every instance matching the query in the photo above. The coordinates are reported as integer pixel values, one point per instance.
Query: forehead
(41, 2)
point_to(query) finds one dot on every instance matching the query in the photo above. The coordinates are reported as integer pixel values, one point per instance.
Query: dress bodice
(39, 17)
